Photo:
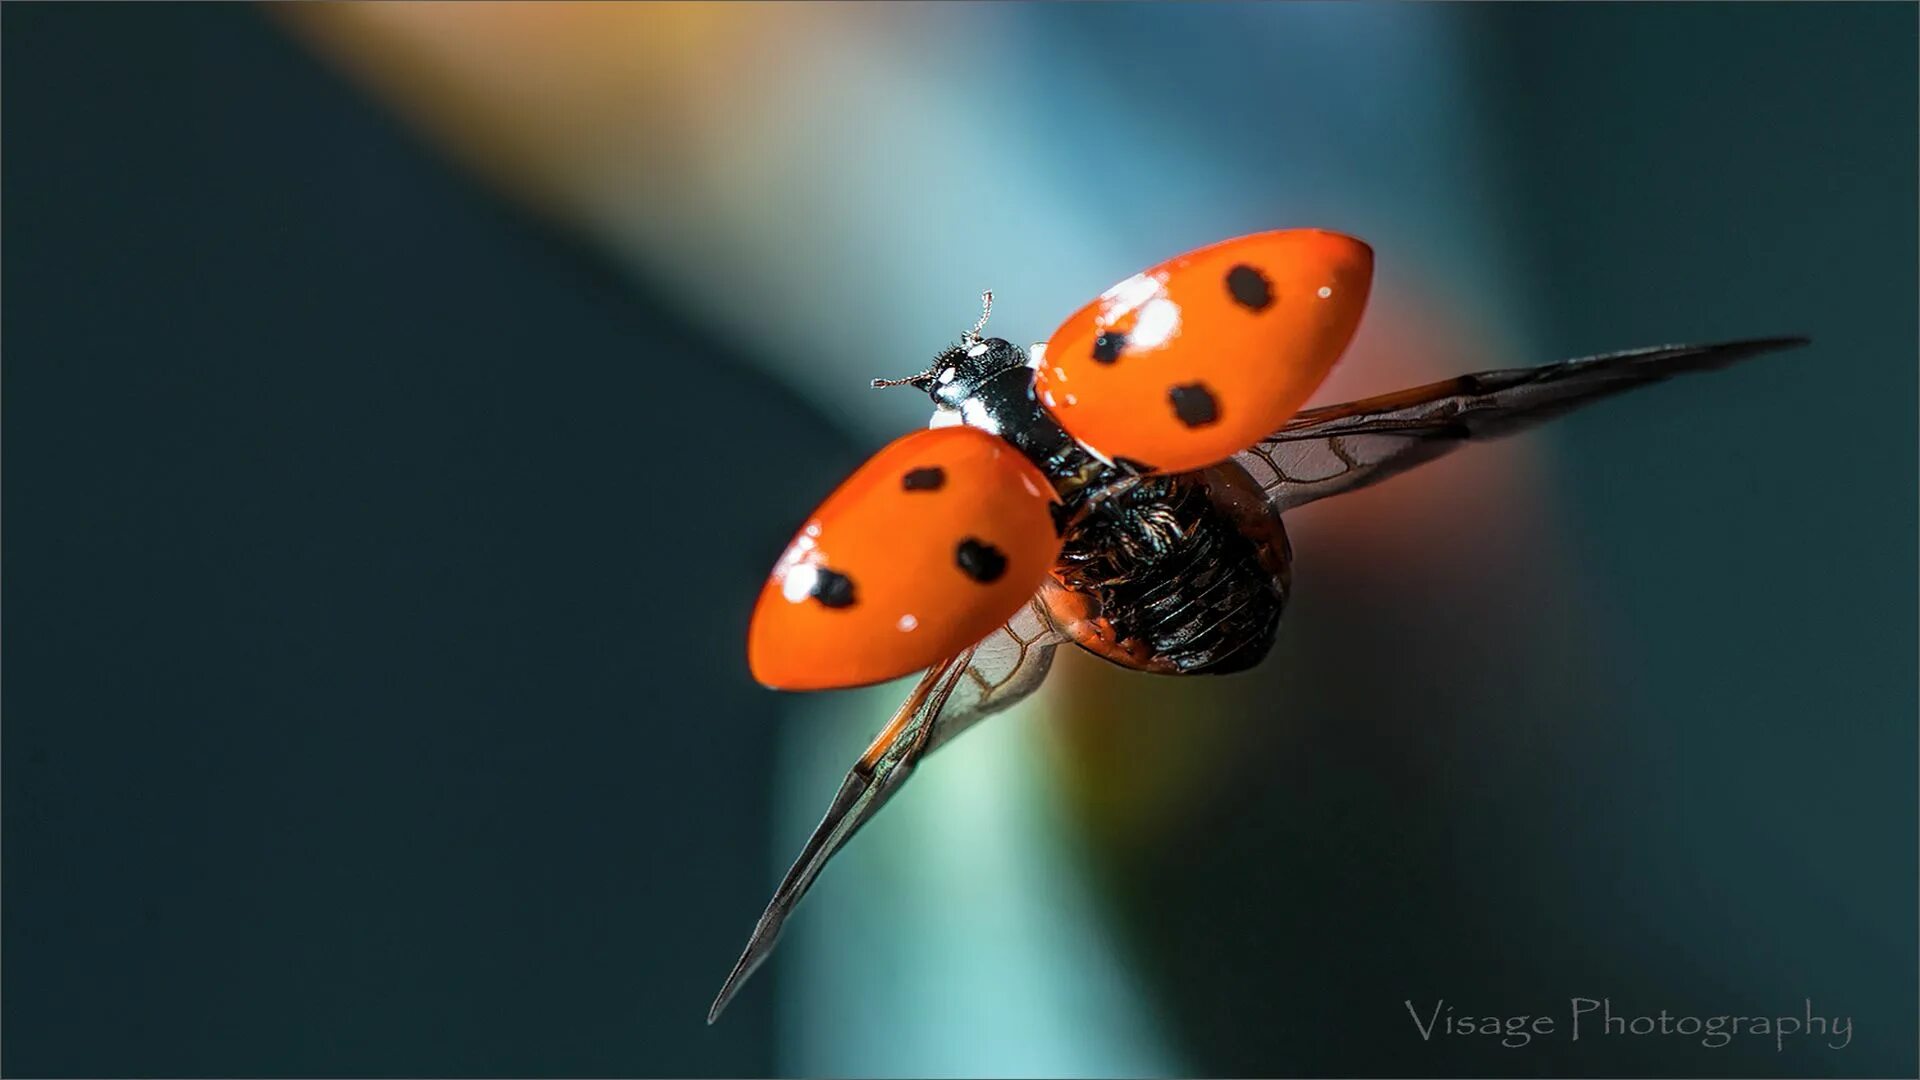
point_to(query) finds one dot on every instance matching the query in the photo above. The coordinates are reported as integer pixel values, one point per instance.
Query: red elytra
(1190, 362)
(925, 549)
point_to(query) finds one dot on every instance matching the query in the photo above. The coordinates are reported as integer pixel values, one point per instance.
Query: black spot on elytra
(980, 561)
(832, 589)
(1194, 404)
(925, 478)
(1106, 347)
(1250, 288)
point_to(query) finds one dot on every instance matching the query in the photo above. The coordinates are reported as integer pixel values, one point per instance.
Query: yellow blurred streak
(1137, 754)
(550, 98)
(717, 150)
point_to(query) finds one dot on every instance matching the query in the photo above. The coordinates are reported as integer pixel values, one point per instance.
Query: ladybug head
(958, 372)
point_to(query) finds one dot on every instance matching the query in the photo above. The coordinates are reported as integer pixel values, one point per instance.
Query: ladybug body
(1175, 369)
(1122, 490)
(1162, 573)
(1177, 575)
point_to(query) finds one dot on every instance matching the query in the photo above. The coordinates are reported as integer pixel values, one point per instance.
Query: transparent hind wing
(1338, 448)
(1004, 667)
(1007, 665)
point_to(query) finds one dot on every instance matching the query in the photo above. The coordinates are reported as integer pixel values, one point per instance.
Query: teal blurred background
(403, 403)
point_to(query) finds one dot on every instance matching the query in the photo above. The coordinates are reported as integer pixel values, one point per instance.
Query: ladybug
(1119, 487)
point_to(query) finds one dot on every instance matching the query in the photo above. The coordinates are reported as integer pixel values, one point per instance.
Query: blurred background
(403, 404)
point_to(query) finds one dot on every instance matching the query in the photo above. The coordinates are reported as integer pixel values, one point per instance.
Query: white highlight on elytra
(798, 568)
(907, 623)
(1127, 296)
(1325, 292)
(799, 582)
(1159, 320)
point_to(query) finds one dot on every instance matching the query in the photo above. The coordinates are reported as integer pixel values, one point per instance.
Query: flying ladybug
(1119, 488)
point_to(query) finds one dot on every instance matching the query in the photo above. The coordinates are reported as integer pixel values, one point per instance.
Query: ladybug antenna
(971, 337)
(986, 311)
(911, 380)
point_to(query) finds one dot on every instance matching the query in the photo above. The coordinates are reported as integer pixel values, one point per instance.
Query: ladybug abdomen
(1183, 574)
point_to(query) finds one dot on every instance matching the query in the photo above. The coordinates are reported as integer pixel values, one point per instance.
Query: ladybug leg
(1103, 499)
